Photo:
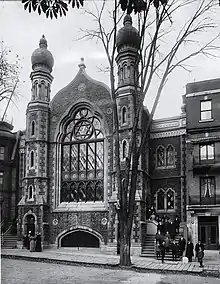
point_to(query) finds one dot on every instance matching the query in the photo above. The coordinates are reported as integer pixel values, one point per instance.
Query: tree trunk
(125, 244)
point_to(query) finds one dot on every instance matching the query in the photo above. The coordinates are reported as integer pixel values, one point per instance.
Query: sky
(22, 31)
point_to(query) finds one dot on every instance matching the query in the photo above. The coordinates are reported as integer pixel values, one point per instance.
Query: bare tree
(153, 62)
(9, 73)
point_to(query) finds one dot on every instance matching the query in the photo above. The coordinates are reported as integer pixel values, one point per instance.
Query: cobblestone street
(19, 272)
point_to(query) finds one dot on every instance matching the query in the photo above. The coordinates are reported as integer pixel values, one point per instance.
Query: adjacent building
(9, 190)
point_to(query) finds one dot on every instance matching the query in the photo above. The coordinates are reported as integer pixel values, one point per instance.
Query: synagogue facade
(67, 163)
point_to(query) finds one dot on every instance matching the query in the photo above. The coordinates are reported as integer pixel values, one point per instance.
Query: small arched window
(124, 149)
(160, 157)
(33, 128)
(170, 198)
(124, 114)
(170, 155)
(160, 199)
(32, 159)
(30, 192)
(125, 71)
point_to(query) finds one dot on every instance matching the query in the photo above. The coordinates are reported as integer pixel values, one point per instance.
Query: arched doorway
(80, 239)
(30, 225)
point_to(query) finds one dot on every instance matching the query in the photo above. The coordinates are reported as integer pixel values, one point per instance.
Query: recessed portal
(80, 239)
(208, 231)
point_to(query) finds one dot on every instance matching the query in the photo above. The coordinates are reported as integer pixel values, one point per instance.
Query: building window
(32, 159)
(165, 199)
(30, 192)
(32, 128)
(206, 110)
(170, 156)
(170, 196)
(1, 180)
(2, 153)
(82, 167)
(160, 199)
(207, 187)
(124, 114)
(160, 157)
(206, 152)
(124, 149)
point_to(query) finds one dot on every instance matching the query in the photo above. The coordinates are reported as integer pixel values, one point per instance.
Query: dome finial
(127, 20)
(82, 65)
(43, 42)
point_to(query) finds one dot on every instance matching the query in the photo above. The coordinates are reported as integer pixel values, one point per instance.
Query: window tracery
(82, 159)
(160, 157)
(165, 199)
(170, 155)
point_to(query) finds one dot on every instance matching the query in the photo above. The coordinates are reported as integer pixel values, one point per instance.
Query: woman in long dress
(32, 244)
(38, 243)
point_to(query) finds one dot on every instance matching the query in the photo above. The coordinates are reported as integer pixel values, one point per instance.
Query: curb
(204, 273)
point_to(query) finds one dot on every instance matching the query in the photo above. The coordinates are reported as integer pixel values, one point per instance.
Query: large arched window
(170, 156)
(82, 158)
(160, 156)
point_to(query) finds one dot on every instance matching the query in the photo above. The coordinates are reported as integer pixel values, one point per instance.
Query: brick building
(67, 165)
(9, 193)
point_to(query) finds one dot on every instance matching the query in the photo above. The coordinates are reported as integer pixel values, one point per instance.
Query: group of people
(164, 245)
(32, 243)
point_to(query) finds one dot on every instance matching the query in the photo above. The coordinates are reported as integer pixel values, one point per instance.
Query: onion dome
(128, 35)
(42, 56)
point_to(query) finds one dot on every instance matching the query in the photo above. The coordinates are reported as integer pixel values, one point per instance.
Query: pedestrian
(162, 251)
(200, 256)
(158, 237)
(166, 225)
(198, 245)
(32, 243)
(172, 230)
(157, 250)
(189, 250)
(167, 235)
(177, 224)
(174, 250)
(25, 241)
(38, 246)
(167, 244)
(182, 245)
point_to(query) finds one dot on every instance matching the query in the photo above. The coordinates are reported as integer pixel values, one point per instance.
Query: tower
(127, 97)
(33, 206)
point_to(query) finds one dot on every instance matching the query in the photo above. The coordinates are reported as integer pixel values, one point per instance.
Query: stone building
(67, 163)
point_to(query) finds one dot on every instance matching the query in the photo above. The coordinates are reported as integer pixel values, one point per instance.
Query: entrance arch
(80, 237)
(29, 224)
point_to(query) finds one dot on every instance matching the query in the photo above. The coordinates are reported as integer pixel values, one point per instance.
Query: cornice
(171, 133)
(172, 123)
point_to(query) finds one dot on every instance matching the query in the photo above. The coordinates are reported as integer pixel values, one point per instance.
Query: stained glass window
(170, 155)
(82, 158)
(170, 199)
(160, 157)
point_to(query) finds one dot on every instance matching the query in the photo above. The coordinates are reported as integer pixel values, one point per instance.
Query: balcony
(208, 165)
(204, 201)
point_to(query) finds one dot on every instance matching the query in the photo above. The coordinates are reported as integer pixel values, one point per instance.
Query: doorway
(208, 231)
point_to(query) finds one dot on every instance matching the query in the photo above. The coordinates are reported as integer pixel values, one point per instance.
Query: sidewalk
(74, 257)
